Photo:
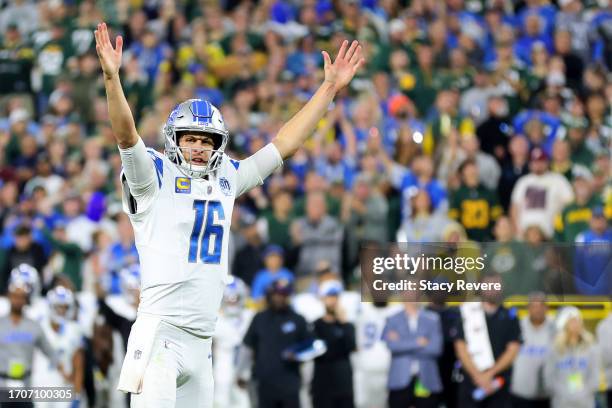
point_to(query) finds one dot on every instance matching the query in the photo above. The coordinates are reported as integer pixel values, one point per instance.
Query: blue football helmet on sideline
(25, 277)
(198, 116)
(61, 304)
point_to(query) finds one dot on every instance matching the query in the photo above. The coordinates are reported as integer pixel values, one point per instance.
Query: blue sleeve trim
(159, 166)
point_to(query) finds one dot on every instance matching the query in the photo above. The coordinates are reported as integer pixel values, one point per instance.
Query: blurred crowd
(480, 120)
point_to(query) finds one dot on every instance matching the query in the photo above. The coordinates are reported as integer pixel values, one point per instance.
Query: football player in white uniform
(372, 360)
(180, 206)
(234, 320)
(66, 339)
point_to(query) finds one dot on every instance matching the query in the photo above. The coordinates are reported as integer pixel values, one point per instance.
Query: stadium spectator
(519, 75)
(572, 370)
(593, 254)
(248, 260)
(514, 168)
(422, 225)
(278, 218)
(318, 235)
(575, 217)
(494, 132)
(67, 253)
(23, 250)
(527, 387)
(474, 205)
(274, 269)
(364, 213)
(539, 196)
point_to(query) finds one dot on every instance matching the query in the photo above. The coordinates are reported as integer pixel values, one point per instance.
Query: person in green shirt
(16, 59)
(71, 252)
(278, 219)
(422, 84)
(575, 217)
(53, 49)
(576, 135)
(473, 205)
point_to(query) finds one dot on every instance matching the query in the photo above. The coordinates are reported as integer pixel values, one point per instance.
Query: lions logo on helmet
(195, 115)
(234, 296)
(61, 304)
(25, 277)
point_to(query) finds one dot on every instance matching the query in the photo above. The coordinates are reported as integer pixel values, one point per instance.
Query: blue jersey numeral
(211, 231)
(370, 330)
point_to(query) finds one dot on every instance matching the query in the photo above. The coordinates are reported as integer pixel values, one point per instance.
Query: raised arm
(337, 75)
(119, 111)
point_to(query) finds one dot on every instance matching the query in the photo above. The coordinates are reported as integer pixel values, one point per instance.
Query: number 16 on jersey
(205, 230)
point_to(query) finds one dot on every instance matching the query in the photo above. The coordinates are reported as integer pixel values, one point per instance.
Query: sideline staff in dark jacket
(272, 332)
(332, 383)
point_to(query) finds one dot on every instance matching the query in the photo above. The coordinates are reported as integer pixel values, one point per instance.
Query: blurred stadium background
(479, 120)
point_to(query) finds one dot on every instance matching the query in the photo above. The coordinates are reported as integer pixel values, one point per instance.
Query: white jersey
(64, 343)
(372, 359)
(182, 227)
(226, 343)
(372, 353)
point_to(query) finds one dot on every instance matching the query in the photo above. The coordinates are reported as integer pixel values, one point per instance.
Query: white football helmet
(25, 277)
(200, 116)
(61, 304)
(234, 296)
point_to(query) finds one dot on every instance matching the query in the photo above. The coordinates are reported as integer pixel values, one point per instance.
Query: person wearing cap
(24, 250)
(593, 255)
(272, 331)
(274, 269)
(540, 195)
(19, 336)
(332, 382)
(571, 372)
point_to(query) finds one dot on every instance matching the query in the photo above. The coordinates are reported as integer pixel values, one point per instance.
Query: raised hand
(347, 62)
(110, 58)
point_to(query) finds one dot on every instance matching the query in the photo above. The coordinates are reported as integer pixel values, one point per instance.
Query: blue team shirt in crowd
(264, 278)
(593, 263)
